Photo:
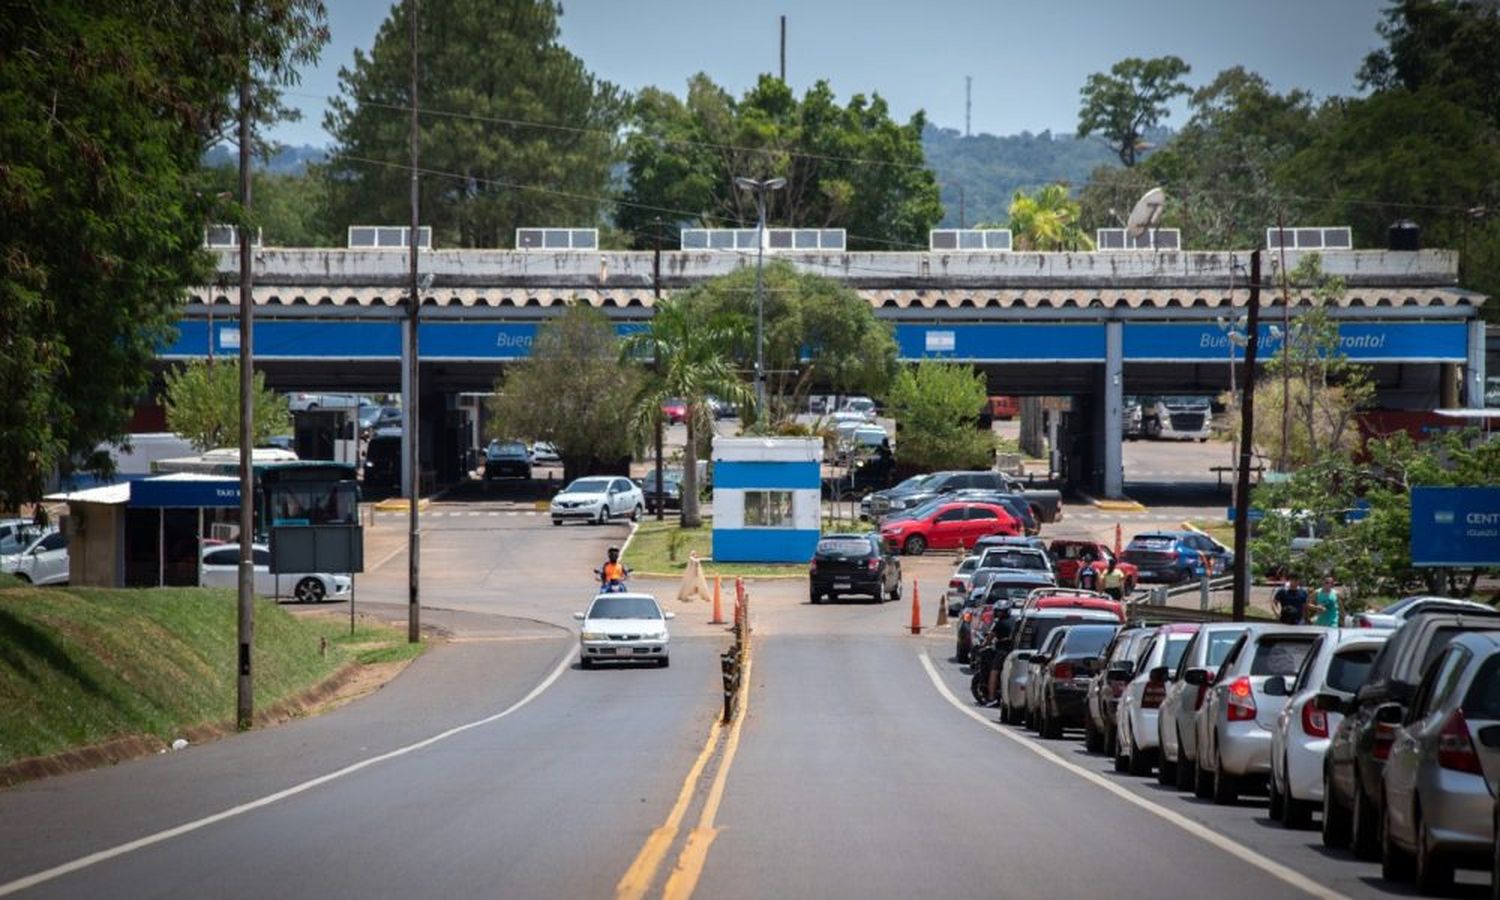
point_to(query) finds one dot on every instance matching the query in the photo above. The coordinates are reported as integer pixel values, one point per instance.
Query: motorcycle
(613, 585)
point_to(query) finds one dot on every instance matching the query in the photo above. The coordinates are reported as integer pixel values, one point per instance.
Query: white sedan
(1338, 664)
(624, 628)
(597, 499)
(221, 565)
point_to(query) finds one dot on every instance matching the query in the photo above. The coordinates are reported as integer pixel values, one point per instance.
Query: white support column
(1114, 399)
(1474, 373)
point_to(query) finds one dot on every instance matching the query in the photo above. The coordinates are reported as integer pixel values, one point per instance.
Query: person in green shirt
(1325, 604)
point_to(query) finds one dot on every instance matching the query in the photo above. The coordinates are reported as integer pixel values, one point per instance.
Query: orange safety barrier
(916, 608)
(718, 617)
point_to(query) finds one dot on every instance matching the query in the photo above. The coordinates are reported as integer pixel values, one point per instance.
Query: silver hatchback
(1440, 777)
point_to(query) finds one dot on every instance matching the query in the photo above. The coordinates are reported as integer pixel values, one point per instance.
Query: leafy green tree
(818, 333)
(1222, 168)
(1445, 45)
(1309, 373)
(1132, 98)
(848, 166)
(572, 391)
(203, 405)
(290, 208)
(1047, 220)
(1363, 505)
(105, 112)
(522, 132)
(936, 406)
(689, 359)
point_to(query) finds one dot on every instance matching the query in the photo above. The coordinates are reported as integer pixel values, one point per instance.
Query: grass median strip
(662, 548)
(84, 666)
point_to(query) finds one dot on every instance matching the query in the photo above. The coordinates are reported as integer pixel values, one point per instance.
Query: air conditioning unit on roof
(226, 237)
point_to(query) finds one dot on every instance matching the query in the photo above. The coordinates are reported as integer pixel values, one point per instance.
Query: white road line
(1291, 876)
(93, 859)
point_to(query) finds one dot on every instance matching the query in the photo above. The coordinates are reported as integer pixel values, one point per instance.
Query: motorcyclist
(1001, 635)
(613, 573)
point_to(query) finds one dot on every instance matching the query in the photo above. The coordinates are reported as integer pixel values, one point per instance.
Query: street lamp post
(760, 187)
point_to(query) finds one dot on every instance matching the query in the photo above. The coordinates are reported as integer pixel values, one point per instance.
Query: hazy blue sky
(1028, 57)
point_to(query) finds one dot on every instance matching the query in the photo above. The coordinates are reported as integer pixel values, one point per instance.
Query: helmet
(614, 551)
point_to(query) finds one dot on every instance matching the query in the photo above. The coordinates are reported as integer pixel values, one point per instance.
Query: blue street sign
(1455, 526)
(1255, 515)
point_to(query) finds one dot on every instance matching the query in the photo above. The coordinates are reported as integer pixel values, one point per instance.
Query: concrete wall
(96, 548)
(460, 268)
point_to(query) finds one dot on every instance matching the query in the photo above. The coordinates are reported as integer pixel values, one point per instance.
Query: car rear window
(1280, 655)
(1152, 545)
(1036, 629)
(1349, 669)
(1435, 648)
(1172, 654)
(1012, 558)
(1483, 699)
(1219, 645)
(844, 547)
(1087, 640)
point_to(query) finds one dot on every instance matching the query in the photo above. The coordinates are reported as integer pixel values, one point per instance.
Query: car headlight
(595, 636)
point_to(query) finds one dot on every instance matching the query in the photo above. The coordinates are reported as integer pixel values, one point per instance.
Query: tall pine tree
(522, 133)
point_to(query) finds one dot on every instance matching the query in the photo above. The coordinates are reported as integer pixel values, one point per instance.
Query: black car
(1353, 770)
(919, 489)
(382, 467)
(853, 565)
(507, 459)
(671, 489)
(1064, 690)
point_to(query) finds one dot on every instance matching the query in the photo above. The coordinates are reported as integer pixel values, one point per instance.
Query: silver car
(1233, 729)
(1139, 706)
(1185, 693)
(958, 584)
(1338, 664)
(1443, 766)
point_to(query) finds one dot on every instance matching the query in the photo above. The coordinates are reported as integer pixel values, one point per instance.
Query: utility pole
(968, 101)
(961, 220)
(413, 422)
(760, 188)
(783, 49)
(1247, 429)
(656, 293)
(1286, 348)
(244, 710)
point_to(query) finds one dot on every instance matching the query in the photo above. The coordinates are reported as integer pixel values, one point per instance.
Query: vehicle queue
(1388, 735)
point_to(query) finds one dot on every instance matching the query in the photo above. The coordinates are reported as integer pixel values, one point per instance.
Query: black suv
(1062, 696)
(1353, 787)
(853, 565)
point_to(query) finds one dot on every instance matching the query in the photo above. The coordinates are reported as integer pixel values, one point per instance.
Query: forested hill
(990, 168)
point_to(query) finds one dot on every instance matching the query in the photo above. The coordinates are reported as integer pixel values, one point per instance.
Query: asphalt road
(494, 766)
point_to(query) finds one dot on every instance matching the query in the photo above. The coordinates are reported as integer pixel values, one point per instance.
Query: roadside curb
(400, 504)
(1125, 505)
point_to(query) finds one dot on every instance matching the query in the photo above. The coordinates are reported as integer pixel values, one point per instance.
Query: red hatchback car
(947, 526)
(674, 411)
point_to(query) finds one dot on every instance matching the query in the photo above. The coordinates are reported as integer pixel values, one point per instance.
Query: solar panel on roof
(557, 238)
(969, 239)
(1310, 238)
(385, 237)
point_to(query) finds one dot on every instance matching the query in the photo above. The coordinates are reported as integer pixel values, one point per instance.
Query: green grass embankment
(650, 552)
(82, 666)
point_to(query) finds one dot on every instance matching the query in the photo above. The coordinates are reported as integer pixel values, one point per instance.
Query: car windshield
(844, 547)
(1349, 668)
(1087, 640)
(1185, 400)
(624, 607)
(916, 482)
(588, 486)
(508, 449)
(1280, 655)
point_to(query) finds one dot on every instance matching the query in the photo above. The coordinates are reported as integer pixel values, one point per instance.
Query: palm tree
(1047, 220)
(688, 359)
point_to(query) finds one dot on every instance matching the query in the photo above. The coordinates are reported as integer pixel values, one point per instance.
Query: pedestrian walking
(1113, 581)
(1325, 607)
(1290, 601)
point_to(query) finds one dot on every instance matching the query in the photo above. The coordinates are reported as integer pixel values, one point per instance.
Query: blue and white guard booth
(767, 499)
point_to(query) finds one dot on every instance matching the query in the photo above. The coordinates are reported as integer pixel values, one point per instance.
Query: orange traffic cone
(718, 618)
(739, 601)
(916, 608)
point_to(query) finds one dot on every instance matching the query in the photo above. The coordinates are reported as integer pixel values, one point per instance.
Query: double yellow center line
(683, 879)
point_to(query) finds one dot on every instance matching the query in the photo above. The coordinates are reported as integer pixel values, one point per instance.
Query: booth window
(768, 509)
